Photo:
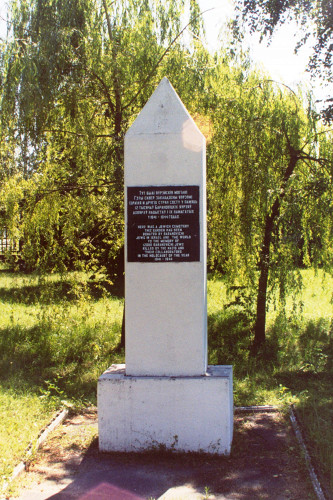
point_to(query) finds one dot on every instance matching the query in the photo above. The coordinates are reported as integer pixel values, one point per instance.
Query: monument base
(183, 414)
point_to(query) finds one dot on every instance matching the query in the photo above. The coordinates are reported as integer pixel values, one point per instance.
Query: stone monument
(165, 396)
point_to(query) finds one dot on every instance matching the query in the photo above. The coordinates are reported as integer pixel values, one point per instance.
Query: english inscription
(163, 224)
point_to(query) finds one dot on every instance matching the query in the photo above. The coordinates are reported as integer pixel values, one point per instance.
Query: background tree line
(74, 75)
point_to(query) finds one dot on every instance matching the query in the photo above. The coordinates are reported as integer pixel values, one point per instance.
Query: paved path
(265, 464)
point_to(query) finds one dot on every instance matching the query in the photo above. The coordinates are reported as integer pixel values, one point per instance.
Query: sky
(3, 11)
(278, 59)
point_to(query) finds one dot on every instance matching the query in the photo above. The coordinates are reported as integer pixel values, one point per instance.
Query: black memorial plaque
(163, 224)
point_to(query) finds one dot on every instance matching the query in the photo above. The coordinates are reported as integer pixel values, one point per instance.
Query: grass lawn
(57, 335)
(56, 338)
(23, 413)
(296, 364)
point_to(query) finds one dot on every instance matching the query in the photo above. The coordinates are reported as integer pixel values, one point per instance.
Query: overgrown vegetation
(294, 366)
(73, 77)
(59, 333)
(62, 328)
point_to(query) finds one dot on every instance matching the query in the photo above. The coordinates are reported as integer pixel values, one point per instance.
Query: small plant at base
(207, 492)
(52, 393)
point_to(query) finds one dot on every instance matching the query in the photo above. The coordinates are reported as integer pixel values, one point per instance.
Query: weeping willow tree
(74, 75)
(314, 20)
(269, 187)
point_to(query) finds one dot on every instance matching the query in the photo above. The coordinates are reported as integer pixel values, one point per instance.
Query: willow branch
(106, 90)
(148, 77)
(67, 188)
(111, 136)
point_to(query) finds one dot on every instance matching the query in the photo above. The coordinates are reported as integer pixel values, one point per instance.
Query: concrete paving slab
(264, 464)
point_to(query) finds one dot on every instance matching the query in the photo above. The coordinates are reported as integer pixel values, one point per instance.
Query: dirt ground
(265, 463)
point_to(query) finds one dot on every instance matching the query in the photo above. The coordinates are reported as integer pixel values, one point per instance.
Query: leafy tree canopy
(270, 171)
(314, 17)
(73, 76)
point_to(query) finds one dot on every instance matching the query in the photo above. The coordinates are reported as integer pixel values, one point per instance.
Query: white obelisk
(165, 394)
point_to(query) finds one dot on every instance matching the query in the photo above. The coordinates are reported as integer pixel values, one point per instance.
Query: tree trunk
(264, 261)
(117, 107)
(260, 324)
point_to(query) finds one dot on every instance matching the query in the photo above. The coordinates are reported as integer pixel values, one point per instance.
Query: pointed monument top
(164, 113)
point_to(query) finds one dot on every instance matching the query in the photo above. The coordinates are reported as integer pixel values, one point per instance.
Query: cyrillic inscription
(163, 224)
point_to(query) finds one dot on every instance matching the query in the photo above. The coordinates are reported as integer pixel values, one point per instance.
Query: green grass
(57, 335)
(295, 365)
(23, 413)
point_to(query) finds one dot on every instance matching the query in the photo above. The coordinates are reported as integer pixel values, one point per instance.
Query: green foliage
(234, 320)
(23, 413)
(293, 366)
(314, 19)
(58, 335)
(263, 216)
(74, 76)
(315, 411)
(64, 331)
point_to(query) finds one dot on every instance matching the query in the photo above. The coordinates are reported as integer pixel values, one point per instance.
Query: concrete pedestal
(184, 414)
